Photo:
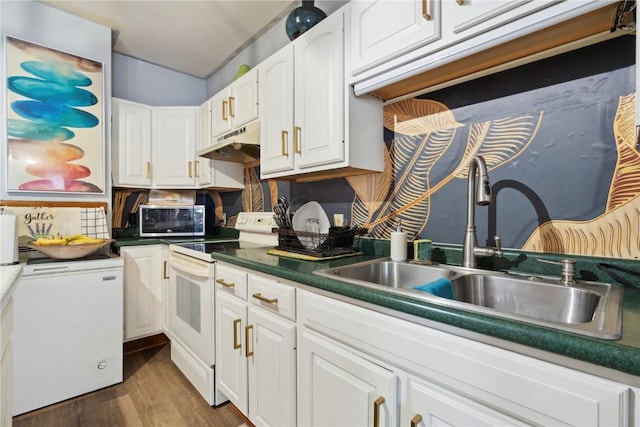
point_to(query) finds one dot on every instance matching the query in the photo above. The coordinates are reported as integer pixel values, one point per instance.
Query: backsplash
(557, 136)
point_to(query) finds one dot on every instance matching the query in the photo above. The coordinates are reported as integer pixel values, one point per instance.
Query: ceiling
(190, 36)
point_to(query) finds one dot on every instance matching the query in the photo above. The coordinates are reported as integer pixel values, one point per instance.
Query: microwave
(164, 220)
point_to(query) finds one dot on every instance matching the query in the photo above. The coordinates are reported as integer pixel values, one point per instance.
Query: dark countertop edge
(141, 241)
(598, 352)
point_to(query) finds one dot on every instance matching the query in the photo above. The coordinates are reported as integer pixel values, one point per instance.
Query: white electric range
(192, 298)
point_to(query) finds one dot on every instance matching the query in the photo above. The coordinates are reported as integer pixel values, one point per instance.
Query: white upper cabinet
(276, 105)
(155, 147)
(131, 140)
(389, 28)
(235, 105)
(312, 126)
(202, 166)
(469, 17)
(319, 94)
(392, 41)
(214, 173)
(174, 147)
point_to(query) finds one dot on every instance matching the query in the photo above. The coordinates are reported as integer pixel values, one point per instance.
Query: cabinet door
(131, 140)
(426, 404)
(272, 369)
(220, 120)
(202, 165)
(319, 94)
(276, 112)
(143, 290)
(243, 103)
(385, 29)
(174, 146)
(231, 363)
(468, 18)
(339, 387)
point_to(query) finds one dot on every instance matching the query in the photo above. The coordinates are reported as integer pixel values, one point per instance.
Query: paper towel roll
(398, 246)
(8, 239)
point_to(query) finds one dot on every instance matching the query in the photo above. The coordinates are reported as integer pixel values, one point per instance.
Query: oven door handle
(200, 271)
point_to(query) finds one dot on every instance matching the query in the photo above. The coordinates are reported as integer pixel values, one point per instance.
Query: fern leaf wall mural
(557, 136)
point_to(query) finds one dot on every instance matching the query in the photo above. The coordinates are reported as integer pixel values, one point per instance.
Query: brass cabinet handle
(247, 353)
(267, 300)
(417, 419)
(224, 110)
(460, 2)
(297, 136)
(197, 167)
(164, 271)
(190, 175)
(231, 100)
(148, 169)
(376, 411)
(225, 284)
(236, 344)
(425, 10)
(284, 137)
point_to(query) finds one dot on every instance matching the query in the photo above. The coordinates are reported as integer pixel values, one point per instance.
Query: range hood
(240, 145)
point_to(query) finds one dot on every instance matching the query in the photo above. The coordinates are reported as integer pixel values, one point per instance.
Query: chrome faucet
(470, 248)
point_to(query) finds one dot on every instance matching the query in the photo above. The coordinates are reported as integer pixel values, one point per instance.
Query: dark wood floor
(154, 393)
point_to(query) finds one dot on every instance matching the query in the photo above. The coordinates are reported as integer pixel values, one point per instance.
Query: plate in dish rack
(311, 225)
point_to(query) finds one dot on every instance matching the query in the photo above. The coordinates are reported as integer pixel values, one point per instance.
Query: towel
(440, 287)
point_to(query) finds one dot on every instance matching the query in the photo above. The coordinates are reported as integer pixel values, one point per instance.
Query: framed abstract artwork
(55, 129)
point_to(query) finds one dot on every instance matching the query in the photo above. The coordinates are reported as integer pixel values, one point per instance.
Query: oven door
(191, 287)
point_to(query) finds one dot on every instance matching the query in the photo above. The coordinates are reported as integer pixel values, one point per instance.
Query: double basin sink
(586, 308)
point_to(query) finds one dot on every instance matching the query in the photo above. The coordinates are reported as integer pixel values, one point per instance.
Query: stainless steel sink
(388, 273)
(587, 308)
(528, 298)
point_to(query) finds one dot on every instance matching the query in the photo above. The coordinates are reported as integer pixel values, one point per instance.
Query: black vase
(302, 18)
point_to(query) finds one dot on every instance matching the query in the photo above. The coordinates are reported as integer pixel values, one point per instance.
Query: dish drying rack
(338, 241)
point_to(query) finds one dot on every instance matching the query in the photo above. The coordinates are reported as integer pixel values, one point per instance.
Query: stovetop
(256, 231)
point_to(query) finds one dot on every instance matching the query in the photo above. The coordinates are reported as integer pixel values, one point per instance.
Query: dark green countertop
(620, 355)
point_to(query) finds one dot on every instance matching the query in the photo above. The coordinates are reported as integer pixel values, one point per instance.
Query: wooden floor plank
(154, 393)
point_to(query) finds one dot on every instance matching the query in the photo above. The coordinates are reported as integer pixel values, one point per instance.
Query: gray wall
(43, 25)
(149, 84)
(266, 45)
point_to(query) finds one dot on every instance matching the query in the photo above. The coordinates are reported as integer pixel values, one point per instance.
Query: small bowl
(69, 251)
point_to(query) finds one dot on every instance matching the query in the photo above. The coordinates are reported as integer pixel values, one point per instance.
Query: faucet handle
(498, 241)
(568, 269)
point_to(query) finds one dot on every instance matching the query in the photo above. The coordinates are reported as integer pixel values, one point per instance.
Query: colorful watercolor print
(54, 120)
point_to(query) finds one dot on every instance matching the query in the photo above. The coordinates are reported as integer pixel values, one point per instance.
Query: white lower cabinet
(350, 356)
(143, 290)
(255, 345)
(427, 404)
(6, 365)
(339, 387)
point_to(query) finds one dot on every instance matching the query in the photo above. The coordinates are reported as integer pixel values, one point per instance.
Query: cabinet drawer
(231, 280)
(273, 296)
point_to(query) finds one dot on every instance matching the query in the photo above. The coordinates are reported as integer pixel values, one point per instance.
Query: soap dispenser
(399, 244)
